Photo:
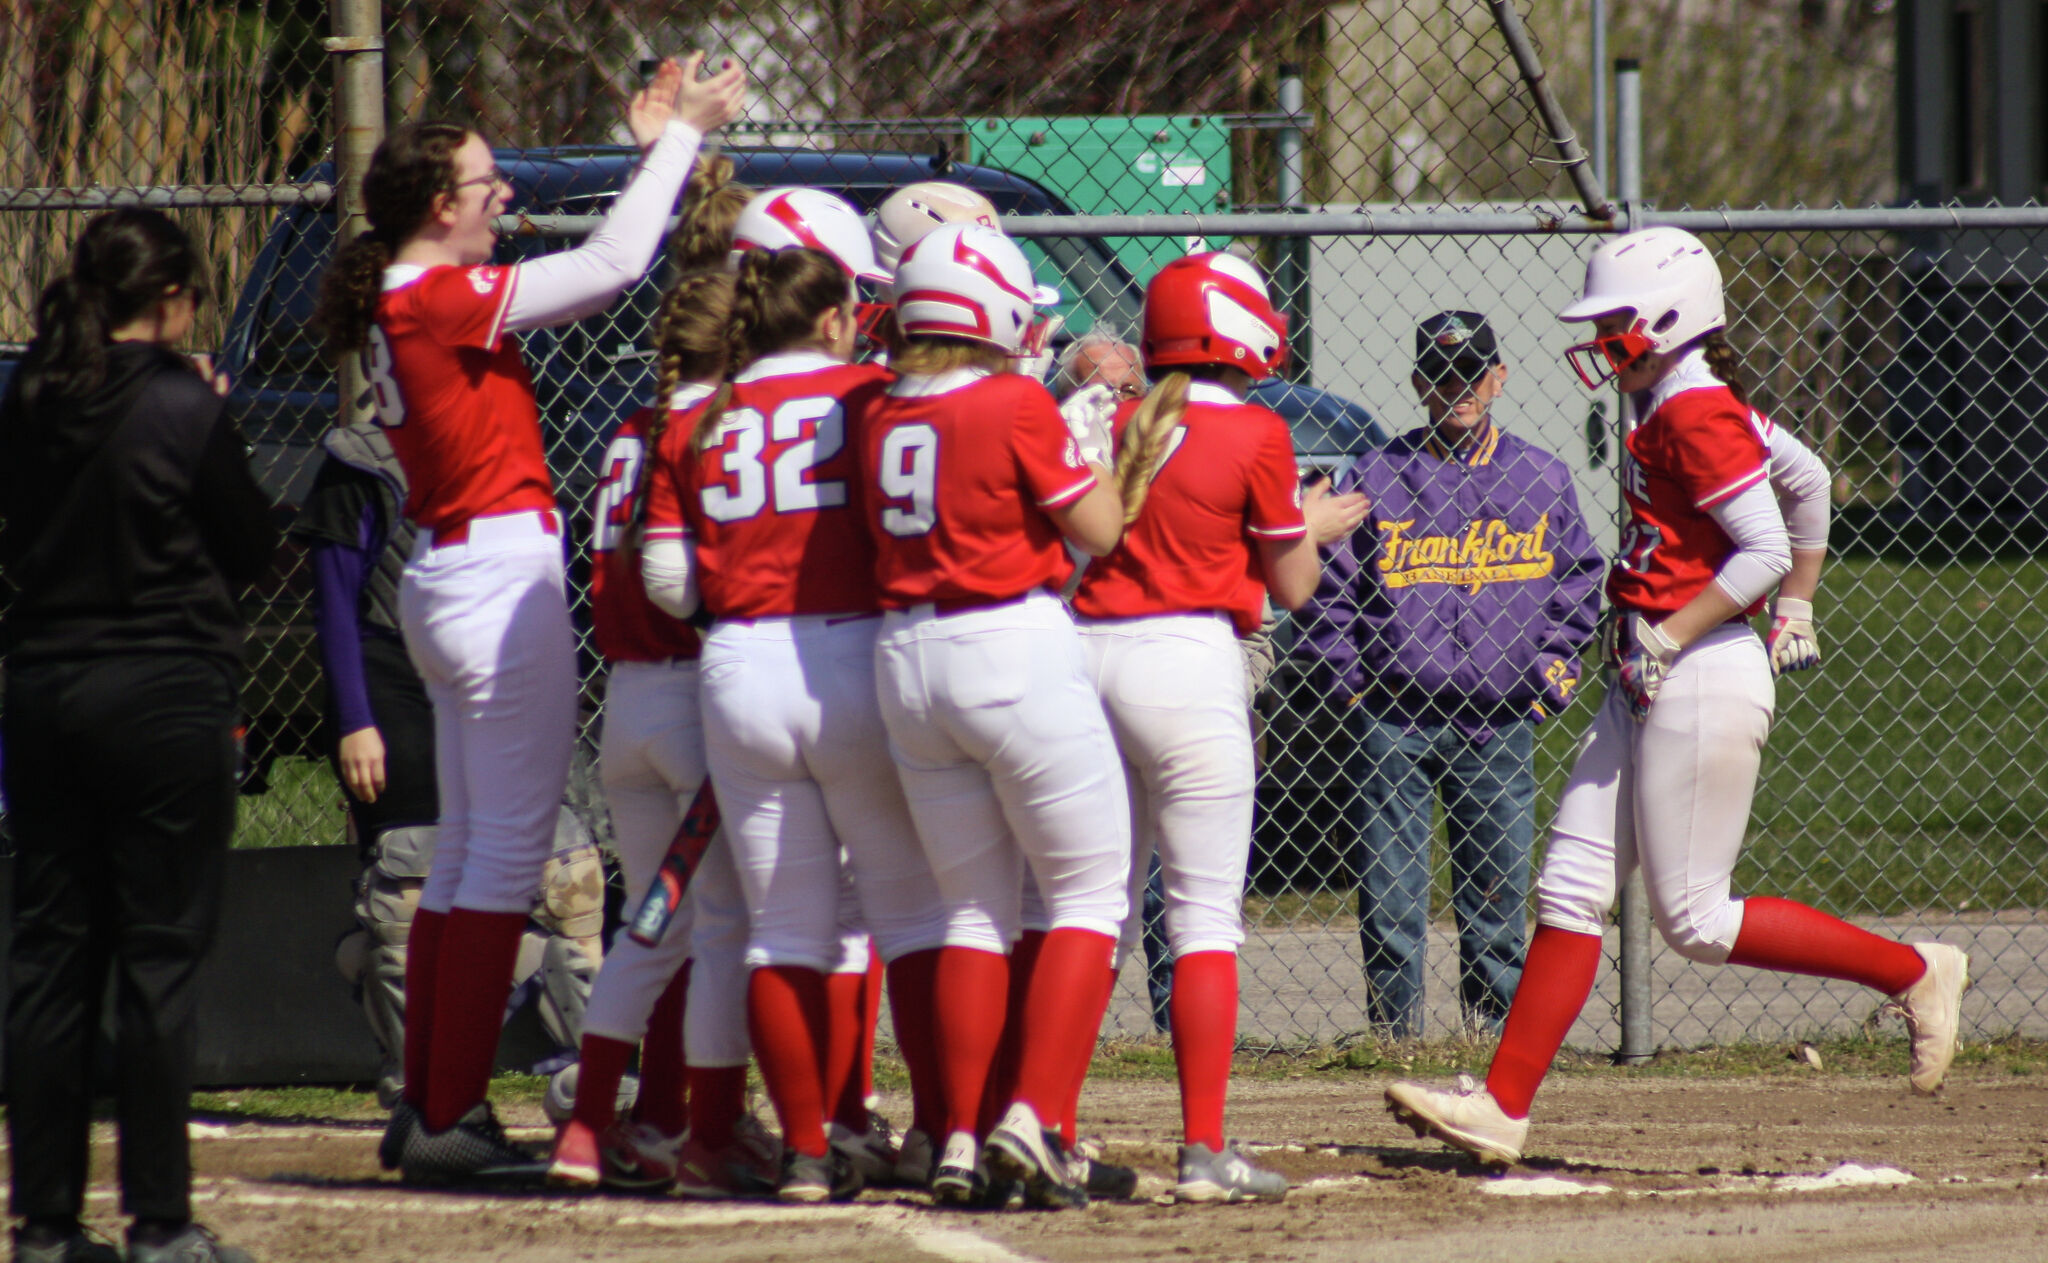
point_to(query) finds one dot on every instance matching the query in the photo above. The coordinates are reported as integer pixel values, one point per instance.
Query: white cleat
(1933, 1009)
(1466, 1118)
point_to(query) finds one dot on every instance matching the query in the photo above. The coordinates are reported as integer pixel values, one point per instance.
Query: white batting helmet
(1666, 278)
(780, 218)
(915, 209)
(967, 281)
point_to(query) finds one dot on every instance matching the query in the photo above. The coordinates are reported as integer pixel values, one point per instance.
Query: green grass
(1903, 775)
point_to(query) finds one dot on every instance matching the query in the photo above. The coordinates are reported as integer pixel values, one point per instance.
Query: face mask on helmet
(1602, 359)
(1666, 271)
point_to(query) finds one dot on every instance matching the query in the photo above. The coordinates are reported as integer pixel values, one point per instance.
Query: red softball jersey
(1698, 448)
(628, 627)
(771, 503)
(454, 395)
(1227, 478)
(959, 471)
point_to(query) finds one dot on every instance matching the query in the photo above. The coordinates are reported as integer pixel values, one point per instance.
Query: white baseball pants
(1174, 689)
(1671, 793)
(488, 628)
(801, 762)
(1006, 758)
(651, 762)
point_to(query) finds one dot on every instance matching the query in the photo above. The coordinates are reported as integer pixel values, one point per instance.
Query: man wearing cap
(1446, 634)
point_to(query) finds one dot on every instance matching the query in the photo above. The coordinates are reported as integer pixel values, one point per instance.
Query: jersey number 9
(909, 471)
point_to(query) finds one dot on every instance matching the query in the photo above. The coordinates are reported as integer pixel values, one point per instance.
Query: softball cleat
(955, 1181)
(1933, 1009)
(1021, 1149)
(405, 1120)
(475, 1149)
(576, 1165)
(1224, 1175)
(1466, 1118)
(915, 1161)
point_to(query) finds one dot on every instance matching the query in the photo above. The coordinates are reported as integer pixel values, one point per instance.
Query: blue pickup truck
(590, 374)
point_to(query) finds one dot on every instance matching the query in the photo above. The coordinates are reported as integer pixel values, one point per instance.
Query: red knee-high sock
(786, 1014)
(422, 966)
(968, 993)
(661, 1104)
(1204, 1017)
(910, 1007)
(1070, 1116)
(846, 1029)
(1795, 939)
(601, 1064)
(871, 1021)
(1062, 1016)
(1556, 979)
(473, 978)
(718, 1097)
(1001, 1087)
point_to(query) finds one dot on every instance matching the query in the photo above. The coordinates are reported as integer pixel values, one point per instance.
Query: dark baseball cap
(1455, 346)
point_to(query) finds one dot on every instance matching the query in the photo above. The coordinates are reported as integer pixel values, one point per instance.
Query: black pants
(405, 720)
(120, 779)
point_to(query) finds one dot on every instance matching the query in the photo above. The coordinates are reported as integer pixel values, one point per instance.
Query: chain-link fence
(1416, 170)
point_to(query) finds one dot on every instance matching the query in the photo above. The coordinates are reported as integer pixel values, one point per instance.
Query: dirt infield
(1621, 1168)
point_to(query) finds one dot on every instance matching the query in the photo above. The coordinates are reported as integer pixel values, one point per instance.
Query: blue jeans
(1489, 793)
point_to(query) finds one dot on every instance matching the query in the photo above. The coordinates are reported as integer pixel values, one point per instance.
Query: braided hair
(1145, 439)
(689, 346)
(1724, 362)
(776, 300)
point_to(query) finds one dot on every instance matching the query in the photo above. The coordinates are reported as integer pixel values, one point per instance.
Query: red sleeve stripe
(668, 532)
(1279, 532)
(504, 308)
(1068, 494)
(1737, 487)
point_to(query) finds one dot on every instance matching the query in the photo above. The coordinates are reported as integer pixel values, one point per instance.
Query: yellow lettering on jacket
(1488, 552)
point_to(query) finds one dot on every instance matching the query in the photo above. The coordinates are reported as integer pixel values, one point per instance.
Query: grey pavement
(1302, 985)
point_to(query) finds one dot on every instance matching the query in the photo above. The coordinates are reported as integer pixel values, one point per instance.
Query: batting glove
(1793, 643)
(1645, 665)
(1087, 413)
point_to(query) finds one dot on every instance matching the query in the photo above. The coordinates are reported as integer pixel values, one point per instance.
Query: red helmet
(1212, 309)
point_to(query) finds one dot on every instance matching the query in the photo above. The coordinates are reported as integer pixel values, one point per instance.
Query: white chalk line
(917, 1226)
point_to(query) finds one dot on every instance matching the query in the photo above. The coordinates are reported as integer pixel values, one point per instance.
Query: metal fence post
(1294, 250)
(1599, 66)
(357, 47)
(1638, 1039)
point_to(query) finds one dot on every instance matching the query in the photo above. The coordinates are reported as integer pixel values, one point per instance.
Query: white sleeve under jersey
(1762, 554)
(558, 288)
(1801, 483)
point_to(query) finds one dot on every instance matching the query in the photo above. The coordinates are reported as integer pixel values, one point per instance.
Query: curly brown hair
(414, 166)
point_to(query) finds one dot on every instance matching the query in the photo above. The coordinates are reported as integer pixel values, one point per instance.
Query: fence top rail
(96, 197)
(1381, 223)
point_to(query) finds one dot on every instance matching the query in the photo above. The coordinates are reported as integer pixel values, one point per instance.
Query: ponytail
(123, 264)
(689, 345)
(348, 293)
(1724, 363)
(1145, 440)
(711, 207)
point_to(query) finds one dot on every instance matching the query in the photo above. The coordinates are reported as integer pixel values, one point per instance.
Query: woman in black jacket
(129, 521)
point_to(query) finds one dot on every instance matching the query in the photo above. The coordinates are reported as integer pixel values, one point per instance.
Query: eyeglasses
(1128, 390)
(495, 176)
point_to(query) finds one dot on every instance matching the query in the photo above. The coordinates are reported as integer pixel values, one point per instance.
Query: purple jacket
(1468, 594)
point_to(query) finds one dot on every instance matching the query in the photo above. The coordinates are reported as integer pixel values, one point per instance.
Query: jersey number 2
(613, 511)
(744, 434)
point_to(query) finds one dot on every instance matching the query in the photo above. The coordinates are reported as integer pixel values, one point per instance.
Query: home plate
(1539, 1186)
